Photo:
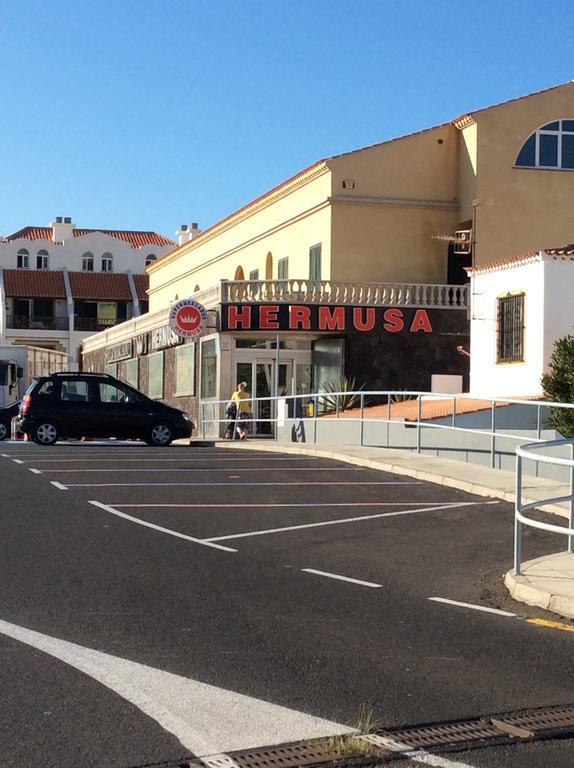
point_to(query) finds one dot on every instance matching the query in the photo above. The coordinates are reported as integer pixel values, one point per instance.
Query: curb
(522, 589)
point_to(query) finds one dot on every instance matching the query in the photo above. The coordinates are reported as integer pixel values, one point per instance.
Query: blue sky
(144, 114)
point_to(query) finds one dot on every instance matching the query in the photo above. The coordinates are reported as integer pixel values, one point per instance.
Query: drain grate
(469, 732)
(384, 745)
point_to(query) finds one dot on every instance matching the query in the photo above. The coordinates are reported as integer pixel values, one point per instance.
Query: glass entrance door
(259, 376)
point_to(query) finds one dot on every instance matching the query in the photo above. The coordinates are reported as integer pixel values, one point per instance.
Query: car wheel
(45, 433)
(4, 430)
(160, 435)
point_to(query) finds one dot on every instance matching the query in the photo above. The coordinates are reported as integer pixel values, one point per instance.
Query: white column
(70, 304)
(135, 300)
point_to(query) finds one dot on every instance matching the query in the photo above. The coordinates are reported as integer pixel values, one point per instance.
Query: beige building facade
(385, 213)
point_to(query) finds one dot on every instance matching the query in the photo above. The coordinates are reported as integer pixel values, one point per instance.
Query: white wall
(487, 377)
(547, 284)
(69, 253)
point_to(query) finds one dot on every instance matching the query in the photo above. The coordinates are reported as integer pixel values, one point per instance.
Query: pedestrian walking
(241, 398)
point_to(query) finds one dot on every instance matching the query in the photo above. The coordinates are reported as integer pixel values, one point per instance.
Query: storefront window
(209, 368)
(112, 369)
(327, 362)
(132, 373)
(271, 344)
(155, 376)
(185, 369)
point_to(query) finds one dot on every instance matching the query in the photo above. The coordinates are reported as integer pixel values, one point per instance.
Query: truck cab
(11, 374)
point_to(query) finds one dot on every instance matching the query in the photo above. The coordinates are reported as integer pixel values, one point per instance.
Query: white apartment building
(61, 283)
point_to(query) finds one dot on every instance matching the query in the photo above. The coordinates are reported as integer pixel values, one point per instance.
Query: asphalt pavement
(162, 602)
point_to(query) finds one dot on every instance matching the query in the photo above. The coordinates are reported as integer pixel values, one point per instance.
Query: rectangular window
(209, 368)
(74, 390)
(107, 264)
(283, 269)
(185, 369)
(155, 376)
(132, 373)
(510, 341)
(315, 262)
(23, 261)
(88, 263)
(548, 150)
(112, 369)
(41, 262)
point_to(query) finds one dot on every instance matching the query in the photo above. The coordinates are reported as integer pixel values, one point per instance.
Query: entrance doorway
(259, 375)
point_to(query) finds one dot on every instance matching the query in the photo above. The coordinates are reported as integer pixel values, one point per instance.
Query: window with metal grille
(510, 342)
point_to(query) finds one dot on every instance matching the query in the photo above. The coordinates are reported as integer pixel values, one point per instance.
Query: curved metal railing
(531, 452)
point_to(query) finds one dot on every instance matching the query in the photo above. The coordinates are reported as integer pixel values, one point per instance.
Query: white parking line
(34, 470)
(17, 461)
(472, 606)
(159, 528)
(235, 485)
(167, 461)
(143, 470)
(342, 578)
(291, 504)
(347, 520)
(58, 485)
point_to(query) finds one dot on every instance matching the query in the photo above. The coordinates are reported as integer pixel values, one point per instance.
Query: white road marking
(291, 504)
(346, 520)
(144, 470)
(417, 755)
(167, 461)
(342, 578)
(471, 605)
(159, 528)
(58, 485)
(35, 471)
(5, 455)
(17, 461)
(235, 485)
(205, 719)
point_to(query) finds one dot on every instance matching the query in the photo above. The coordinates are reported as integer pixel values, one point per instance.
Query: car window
(46, 389)
(75, 390)
(113, 393)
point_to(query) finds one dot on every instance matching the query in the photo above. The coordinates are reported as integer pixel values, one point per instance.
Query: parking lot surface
(187, 600)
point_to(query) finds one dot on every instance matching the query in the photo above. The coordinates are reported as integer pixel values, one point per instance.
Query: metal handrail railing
(528, 451)
(318, 410)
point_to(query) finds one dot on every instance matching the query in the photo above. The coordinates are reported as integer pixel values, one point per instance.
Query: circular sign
(188, 318)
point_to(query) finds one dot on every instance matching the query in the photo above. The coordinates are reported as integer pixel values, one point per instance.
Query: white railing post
(315, 405)
(492, 435)
(419, 413)
(202, 408)
(362, 416)
(517, 509)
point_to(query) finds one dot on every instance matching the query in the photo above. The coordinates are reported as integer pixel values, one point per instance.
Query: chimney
(187, 232)
(62, 229)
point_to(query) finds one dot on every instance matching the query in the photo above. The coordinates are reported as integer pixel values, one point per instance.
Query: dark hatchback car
(6, 416)
(76, 405)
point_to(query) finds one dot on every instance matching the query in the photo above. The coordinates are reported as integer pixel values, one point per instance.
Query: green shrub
(346, 400)
(558, 385)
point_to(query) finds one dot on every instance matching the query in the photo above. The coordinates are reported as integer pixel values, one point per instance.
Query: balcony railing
(93, 323)
(24, 322)
(335, 292)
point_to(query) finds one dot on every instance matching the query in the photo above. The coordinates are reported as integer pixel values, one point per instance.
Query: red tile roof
(34, 284)
(431, 408)
(522, 258)
(136, 238)
(100, 286)
(141, 283)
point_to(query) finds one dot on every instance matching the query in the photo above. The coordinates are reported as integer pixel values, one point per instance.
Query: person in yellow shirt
(241, 397)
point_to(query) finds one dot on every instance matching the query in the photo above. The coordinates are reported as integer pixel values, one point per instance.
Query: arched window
(150, 258)
(269, 266)
(239, 274)
(23, 259)
(107, 262)
(88, 262)
(42, 259)
(551, 146)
